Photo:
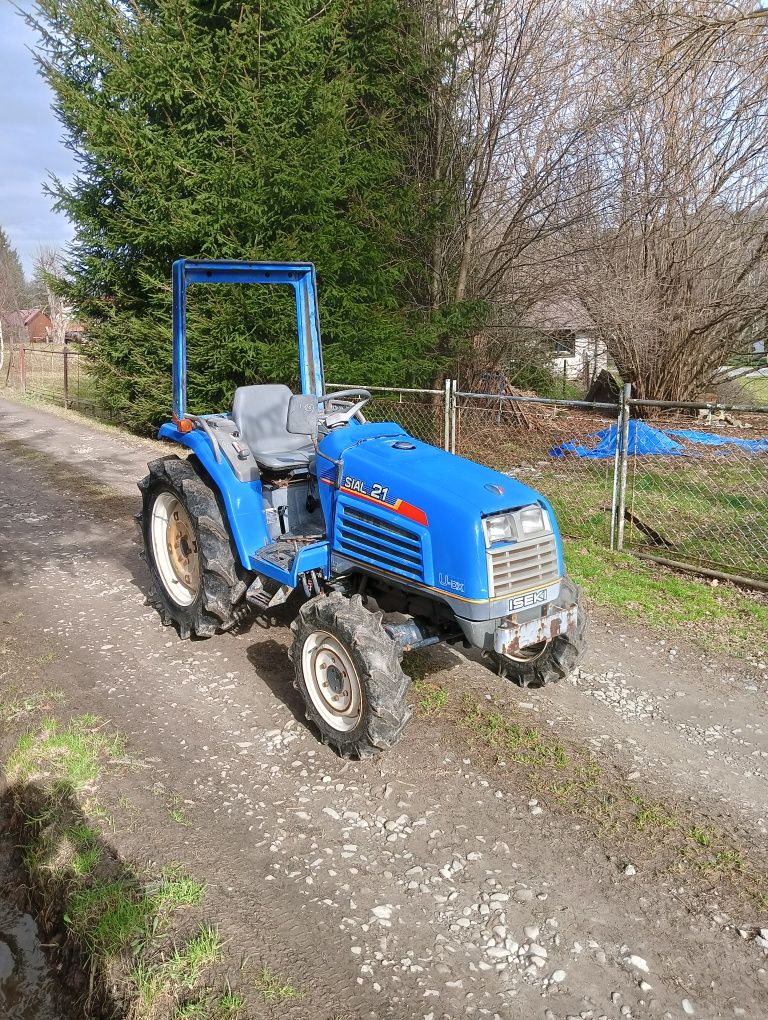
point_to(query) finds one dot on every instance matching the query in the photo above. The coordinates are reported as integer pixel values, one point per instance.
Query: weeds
(111, 917)
(432, 697)
(187, 964)
(149, 983)
(228, 1006)
(700, 836)
(176, 889)
(13, 711)
(72, 755)
(274, 988)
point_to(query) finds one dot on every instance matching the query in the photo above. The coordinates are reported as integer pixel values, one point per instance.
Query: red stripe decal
(403, 509)
(413, 513)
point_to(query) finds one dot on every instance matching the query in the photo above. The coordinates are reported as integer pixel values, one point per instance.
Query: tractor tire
(198, 580)
(349, 674)
(552, 660)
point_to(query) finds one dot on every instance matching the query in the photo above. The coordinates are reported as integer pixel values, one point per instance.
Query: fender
(242, 500)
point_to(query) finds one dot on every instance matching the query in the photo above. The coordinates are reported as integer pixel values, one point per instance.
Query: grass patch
(110, 918)
(25, 705)
(228, 1006)
(176, 889)
(187, 964)
(73, 754)
(570, 779)
(719, 617)
(274, 988)
(119, 920)
(176, 810)
(431, 698)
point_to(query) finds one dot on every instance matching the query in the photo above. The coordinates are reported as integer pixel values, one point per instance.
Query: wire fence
(56, 374)
(422, 413)
(696, 496)
(702, 498)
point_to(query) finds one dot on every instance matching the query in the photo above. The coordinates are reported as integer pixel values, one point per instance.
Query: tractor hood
(418, 507)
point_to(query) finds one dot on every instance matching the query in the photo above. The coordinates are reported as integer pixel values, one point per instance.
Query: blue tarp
(708, 439)
(644, 440)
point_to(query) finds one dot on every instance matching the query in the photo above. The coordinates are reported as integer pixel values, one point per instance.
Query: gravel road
(416, 886)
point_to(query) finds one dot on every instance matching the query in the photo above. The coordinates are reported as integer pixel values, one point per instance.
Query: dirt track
(378, 886)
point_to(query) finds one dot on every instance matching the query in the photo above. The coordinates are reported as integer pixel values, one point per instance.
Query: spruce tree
(13, 286)
(231, 129)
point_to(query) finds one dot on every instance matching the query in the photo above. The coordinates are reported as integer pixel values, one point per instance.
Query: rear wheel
(549, 661)
(198, 580)
(349, 675)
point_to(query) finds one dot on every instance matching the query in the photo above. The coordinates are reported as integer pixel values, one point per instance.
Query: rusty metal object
(512, 636)
(182, 548)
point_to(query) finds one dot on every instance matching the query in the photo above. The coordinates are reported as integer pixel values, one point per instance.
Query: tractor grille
(368, 539)
(523, 566)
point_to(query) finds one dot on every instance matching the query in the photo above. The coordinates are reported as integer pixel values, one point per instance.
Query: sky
(30, 145)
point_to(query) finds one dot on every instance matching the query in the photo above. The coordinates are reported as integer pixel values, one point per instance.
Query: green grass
(228, 1006)
(176, 811)
(110, 918)
(149, 984)
(568, 778)
(176, 889)
(274, 988)
(523, 744)
(85, 861)
(26, 705)
(188, 962)
(73, 754)
(431, 698)
(721, 617)
(197, 1008)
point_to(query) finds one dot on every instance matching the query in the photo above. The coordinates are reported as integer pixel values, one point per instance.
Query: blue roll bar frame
(299, 275)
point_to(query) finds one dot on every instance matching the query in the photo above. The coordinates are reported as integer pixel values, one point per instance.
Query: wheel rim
(332, 681)
(174, 548)
(530, 654)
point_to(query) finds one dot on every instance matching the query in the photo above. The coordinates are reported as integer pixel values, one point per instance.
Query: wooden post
(23, 356)
(66, 378)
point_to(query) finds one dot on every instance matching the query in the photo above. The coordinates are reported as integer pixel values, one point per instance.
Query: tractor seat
(261, 415)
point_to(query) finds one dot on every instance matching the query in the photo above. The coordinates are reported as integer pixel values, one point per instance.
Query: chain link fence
(422, 413)
(701, 499)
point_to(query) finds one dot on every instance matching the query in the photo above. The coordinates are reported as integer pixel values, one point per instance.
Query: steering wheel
(347, 408)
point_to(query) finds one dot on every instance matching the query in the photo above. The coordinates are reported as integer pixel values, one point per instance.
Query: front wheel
(349, 675)
(550, 661)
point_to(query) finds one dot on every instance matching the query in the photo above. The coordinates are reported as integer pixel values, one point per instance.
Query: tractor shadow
(269, 659)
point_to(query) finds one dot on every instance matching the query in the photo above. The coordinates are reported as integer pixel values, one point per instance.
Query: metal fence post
(454, 404)
(447, 415)
(623, 452)
(66, 378)
(615, 488)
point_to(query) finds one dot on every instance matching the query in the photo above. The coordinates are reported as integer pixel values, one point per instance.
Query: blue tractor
(388, 543)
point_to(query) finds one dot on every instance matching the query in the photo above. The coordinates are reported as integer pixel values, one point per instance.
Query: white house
(577, 351)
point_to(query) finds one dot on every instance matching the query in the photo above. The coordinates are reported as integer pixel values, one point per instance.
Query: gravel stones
(636, 963)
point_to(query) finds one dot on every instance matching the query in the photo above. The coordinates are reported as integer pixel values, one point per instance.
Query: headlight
(533, 520)
(517, 525)
(500, 529)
